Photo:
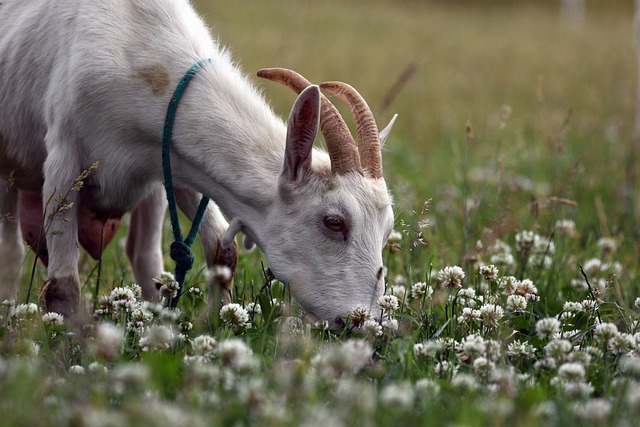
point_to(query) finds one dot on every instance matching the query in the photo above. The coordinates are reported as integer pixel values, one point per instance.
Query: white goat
(84, 82)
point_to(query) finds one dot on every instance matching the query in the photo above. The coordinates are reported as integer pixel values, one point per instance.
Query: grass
(509, 122)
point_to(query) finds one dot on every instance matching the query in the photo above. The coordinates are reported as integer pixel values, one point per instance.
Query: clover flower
(372, 328)
(399, 395)
(53, 319)
(451, 277)
(204, 346)
(491, 315)
(157, 337)
(235, 354)
(594, 410)
(571, 372)
(359, 315)
(234, 315)
(427, 349)
(604, 332)
(559, 349)
(108, 341)
(25, 312)
(508, 285)
(525, 240)
(421, 289)
(389, 304)
(547, 327)
(516, 303)
(468, 315)
(489, 272)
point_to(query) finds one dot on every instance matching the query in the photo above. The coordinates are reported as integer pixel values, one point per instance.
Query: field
(513, 279)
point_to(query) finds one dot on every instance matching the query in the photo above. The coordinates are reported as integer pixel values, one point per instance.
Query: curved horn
(342, 148)
(366, 128)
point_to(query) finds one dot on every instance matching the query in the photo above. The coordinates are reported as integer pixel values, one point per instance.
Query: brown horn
(366, 128)
(342, 148)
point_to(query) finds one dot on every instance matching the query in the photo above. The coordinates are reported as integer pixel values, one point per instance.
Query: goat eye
(334, 223)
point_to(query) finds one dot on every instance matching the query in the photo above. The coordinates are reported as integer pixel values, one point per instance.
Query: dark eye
(334, 223)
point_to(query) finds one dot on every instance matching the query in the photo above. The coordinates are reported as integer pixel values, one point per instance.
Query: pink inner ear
(89, 228)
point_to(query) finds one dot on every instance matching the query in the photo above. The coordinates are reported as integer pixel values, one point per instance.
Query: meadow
(513, 276)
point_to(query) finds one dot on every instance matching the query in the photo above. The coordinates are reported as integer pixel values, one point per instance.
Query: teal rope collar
(180, 248)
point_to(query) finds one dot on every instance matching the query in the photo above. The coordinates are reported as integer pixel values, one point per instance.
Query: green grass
(565, 152)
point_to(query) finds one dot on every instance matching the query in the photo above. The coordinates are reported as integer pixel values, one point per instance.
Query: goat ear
(301, 132)
(384, 133)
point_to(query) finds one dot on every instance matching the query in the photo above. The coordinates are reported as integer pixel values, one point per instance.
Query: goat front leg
(11, 247)
(61, 292)
(144, 241)
(221, 260)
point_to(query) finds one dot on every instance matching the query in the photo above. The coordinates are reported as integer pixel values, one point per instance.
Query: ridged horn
(366, 128)
(342, 148)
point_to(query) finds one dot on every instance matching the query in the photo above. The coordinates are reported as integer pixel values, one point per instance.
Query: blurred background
(547, 87)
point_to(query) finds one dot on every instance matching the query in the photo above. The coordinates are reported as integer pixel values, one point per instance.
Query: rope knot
(182, 255)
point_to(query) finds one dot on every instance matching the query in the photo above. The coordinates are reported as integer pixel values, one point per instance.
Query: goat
(85, 82)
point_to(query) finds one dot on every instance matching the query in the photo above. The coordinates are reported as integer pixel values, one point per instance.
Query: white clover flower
(372, 328)
(451, 277)
(53, 319)
(399, 290)
(348, 357)
(397, 395)
(76, 370)
(428, 349)
(621, 344)
(164, 277)
(122, 298)
(594, 410)
(547, 327)
(26, 311)
(566, 226)
(157, 337)
(234, 315)
(426, 386)
(491, 315)
(525, 288)
(204, 345)
(604, 332)
(525, 240)
(572, 307)
(504, 260)
(390, 326)
(139, 317)
(465, 382)
(253, 309)
(483, 367)
(516, 303)
(508, 285)
(468, 315)
(394, 237)
(637, 303)
(444, 368)
(389, 303)
(169, 315)
(577, 390)
(236, 355)
(593, 267)
(630, 365)
(360, 314)
(108, 341)
(489, 272)
(471, 347)
(608, 245)
(571, 372)
(169, 289)
(421, 289)
(97, 368)
(466, 297)
(518, 349)
(558, 349)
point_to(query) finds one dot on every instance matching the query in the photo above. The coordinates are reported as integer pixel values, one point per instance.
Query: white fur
(90, 81)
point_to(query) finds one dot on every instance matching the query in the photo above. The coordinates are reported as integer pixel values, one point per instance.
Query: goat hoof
(61, 295)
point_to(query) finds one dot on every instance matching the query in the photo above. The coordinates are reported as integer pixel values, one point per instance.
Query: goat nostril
(380, 273)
